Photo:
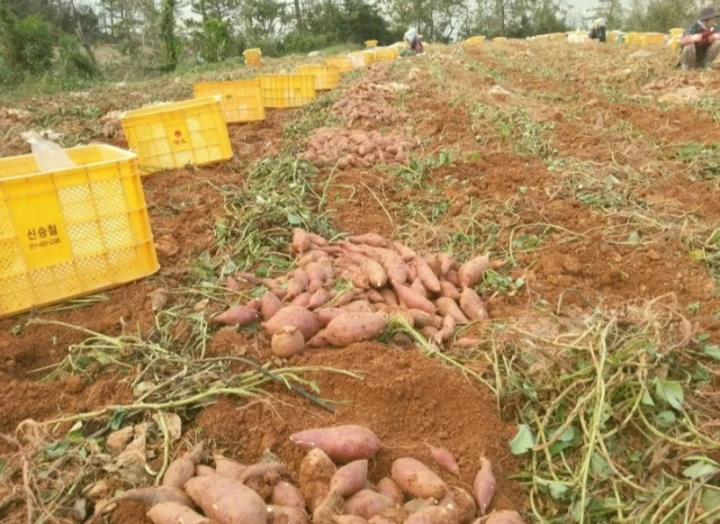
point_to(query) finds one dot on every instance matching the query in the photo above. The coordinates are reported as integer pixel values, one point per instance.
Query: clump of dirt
(405, 397)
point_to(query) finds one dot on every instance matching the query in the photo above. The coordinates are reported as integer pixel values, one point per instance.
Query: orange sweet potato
(286, 515)
(367, 503)
(173, 513)
(417, 480)
(319, 298)
(300, 240)
(285, 494)
(370, 239)
(446, 332)
(472, 305)
(445, 459)
(350, 478)
(427, 275)
(183, 468)
(461, 504)
(269, 305)
(226, 467)
(227, 500)
(413, 300)
(236, 316)
(355, 327)
(296, 316)
(316, 470)
(341, 443)
(448, 290)
(484, 485)
(391, 490)
(471, 272)
(287, 341)
(504, 517)
(432, 515)
(448, 307)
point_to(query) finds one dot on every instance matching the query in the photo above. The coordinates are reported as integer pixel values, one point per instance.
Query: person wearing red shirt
(701, 42)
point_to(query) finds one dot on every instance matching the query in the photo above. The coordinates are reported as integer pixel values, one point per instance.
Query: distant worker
(597, 30)
(701, 42)
(413, 43)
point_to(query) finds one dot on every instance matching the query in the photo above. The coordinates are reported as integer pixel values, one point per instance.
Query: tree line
(37, 36)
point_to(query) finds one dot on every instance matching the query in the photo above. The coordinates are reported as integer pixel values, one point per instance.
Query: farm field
(588, 173)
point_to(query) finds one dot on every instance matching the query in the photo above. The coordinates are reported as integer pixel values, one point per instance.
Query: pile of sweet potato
(345, 148)
(369, 104)
(345, 292)
(195, 492)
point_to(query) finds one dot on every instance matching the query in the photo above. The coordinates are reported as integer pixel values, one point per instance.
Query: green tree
(28, 44)
(171, 45)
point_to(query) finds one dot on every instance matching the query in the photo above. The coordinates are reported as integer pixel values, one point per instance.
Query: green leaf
(57, 448)
(568, 434)
(700, 469)
(665, 419)
(709, 499)
(697, 254)
(523, 441)
(117, 419)
(294, 219)
(647, 399)
(557, 490)
(600, 467)
(3, 466)
(712, 351)
(670, 391)
(634, 238)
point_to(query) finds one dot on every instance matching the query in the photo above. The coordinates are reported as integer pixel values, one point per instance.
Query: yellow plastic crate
(242, 99)
(475, 40)
(358, 60)
(652, 40)
(371, 43)
(326, 77)
(633, 38)
(71, 232)
(369, 56)
(287, 90)
(175, 135)
(386, 54)
(677, 32)
(612, 36)
(341, 63)
(253, 57)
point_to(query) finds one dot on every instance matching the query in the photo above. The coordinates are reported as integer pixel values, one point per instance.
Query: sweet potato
(448, 307)
(446, 331)
(446, 263)
(268, 470)
(417, 480)
(412, 300)
(285, 494)
(296, 316)
(452, 277)
(326, 512)
(286, 515)
(399, 311)
(412, 271)
(461, 504)
(429, 332)
(254, 304)
(302, 300)
(389, 516)
(484, 485)
(182, 469)
(373, 270)
(317, 240)
(316, 271)
(202, 470)
(300, 240)
(295, 287)
(427, 276)
(318, 298)
(228, 468)
(355, 327)
(358, 306)
(417, 286)
(370, 239)
(311, 256)
(448, 290)
(316, 470)
(318, 341)
(504, 517)
(343, 298)
(415, 505)
(350, 519)
(405, 252)
(341, 443)
(394, 267)
(269, 305)
(287, 341)
(350, 478)
(315, 285)
(227, 501)
(472, 305)
(326, 314)
(232, 284)
(389, 297)
(367, 503)
(445, 459)
(173, 513)
(432, 515)
(152, 496)
(387, 487)
(301, 275)
(374, 296)
(422, 319)
(471, 272)
(236, 316)
(466, 342)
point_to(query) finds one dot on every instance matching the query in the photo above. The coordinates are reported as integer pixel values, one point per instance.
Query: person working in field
(598, 31)
(413, 42)
(701, 42)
